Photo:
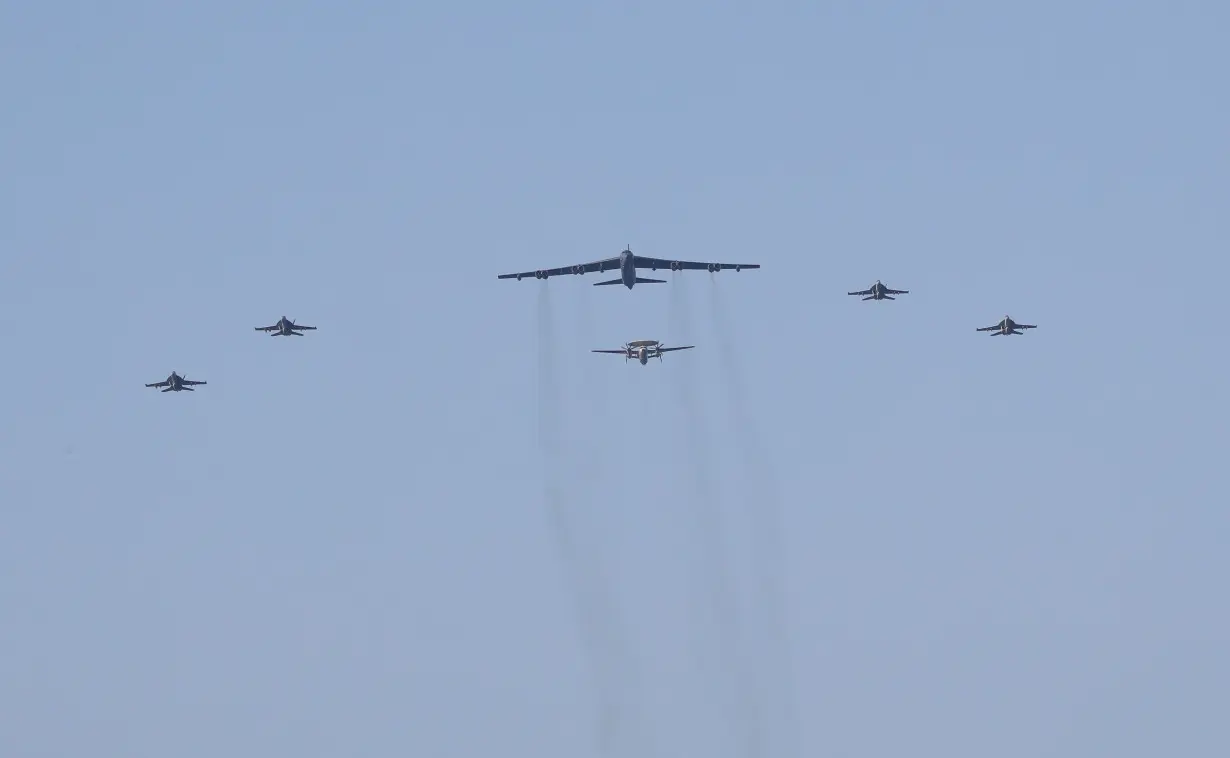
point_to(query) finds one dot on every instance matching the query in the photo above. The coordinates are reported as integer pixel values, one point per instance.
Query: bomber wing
(675, 265)
(606, 264)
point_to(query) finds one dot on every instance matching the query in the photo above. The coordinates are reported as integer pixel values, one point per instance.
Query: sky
(439, 525)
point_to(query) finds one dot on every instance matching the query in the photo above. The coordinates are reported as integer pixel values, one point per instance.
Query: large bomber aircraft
(175, 383)
(627, 264)
(878, 291)
(284, 328)
(1007, 326)
(643, 350)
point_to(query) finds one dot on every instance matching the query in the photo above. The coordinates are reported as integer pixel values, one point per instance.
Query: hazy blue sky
(345, 543)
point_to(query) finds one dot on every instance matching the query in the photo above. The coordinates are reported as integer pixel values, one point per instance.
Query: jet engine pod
(518, 277)
(738, 269)
(540, 274)
(676, 266)
(712, 268)
(578, 269)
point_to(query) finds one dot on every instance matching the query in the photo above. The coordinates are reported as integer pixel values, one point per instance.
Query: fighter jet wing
(896, 292)
(643, 262)
(988, 328)
(1024, 326)
(861, 292)
(608, 264)
(266, 328)
(669, 349)
(299, 327)
(187, 382)
(163, 383)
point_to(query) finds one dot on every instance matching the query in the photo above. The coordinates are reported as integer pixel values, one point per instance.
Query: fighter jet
(175, 383)
(643, 350)
(284, 328)
(878, 291)
(1007, 326)
(626, 264)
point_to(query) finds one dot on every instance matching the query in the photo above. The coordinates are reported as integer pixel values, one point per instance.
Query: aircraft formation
(283, 328)
(627, 264)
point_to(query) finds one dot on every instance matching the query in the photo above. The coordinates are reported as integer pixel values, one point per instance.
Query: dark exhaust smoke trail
(596, 615)
(746, 718)
(764, 513)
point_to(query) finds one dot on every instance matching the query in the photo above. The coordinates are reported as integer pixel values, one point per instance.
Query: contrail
(714, 569)
(764, 506)
(596, 612)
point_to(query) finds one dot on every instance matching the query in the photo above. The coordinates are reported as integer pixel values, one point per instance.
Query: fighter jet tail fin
(643, 280)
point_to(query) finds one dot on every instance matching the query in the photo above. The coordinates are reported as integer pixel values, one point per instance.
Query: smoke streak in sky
(763, 506)
(597, 616)
(714, 578)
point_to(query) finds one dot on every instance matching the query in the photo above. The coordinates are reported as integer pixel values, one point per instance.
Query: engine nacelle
(540, 274)
(518, 277)
(711, 268)
(676, 266)
(578, 269)
(738, 269)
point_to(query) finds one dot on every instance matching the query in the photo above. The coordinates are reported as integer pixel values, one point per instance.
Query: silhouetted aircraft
(175, 383)
(878, 291)
(1007, 326)
(643, 350)
(284, 328)
(626, 264)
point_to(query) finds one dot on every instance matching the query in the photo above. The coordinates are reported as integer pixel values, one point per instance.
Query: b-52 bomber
(626, 264)
(1007, 326)
(285, 328)
(643, 350)
(175, 383)
(878, 291)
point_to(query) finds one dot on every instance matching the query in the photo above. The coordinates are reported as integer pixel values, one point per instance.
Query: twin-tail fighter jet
(878, 291)
(643, 350)
(176, 383)
(285, 328)
(626, 264)
(1006, 326)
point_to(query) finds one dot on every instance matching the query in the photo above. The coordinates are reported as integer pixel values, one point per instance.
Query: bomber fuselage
(627, 268)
